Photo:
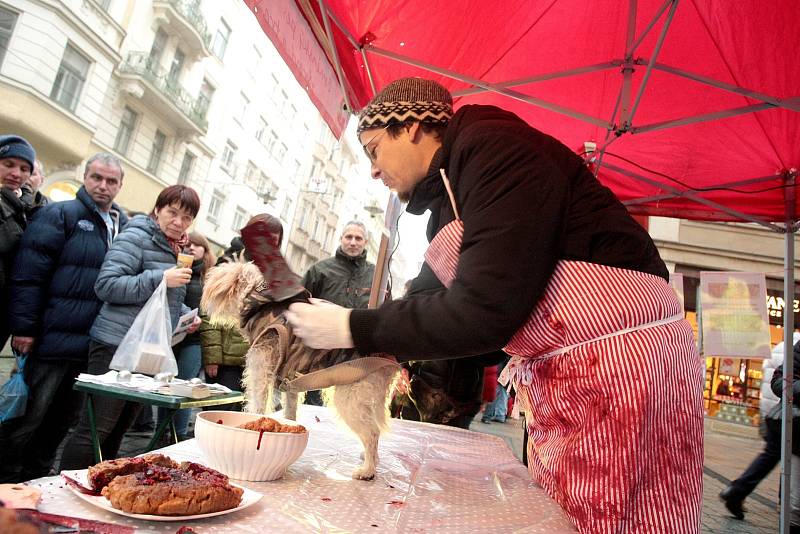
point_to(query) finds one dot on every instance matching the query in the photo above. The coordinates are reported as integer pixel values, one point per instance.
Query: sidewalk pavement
(729, 448)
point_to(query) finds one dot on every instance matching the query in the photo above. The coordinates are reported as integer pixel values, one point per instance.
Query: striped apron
(608, 375)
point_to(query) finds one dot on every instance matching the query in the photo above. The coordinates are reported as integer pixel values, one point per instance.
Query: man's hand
(211, 370)
(177, 276)
(321, 325)
(23, 344)
(195, 325)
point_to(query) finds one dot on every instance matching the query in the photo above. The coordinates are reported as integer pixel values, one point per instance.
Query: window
(304, 215)
(267, 189)
(262, 127)
(157, 151)
(250, 174)
(8, 19)
(287, 207)
(186, 168)
(329, 237)
(315, 232)
(255, 66)
(157, 50)
(272, 139)
(242, 112)
(175, 69)
(215, 206)
(104, 4)
(228, 153)
(70, 78)
(221, 39)
(239, 218)
(126, 127)
(204, 98)
(337, 197)
(280, 151)
(296, 168)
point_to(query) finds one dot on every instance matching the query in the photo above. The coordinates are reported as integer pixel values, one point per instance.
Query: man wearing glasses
(542, 261)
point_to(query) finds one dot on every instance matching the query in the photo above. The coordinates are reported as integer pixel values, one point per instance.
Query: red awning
(693, 105)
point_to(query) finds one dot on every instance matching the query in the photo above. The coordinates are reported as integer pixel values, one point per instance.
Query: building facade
(183, 91)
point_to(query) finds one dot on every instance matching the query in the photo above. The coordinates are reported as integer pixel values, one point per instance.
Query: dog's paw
(363, 473)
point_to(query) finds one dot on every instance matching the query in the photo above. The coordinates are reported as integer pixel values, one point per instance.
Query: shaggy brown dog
(235, 293)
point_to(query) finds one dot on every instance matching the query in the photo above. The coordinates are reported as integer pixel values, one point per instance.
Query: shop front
(732, 390)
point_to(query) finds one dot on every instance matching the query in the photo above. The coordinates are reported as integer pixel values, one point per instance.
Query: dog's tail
(225, 288)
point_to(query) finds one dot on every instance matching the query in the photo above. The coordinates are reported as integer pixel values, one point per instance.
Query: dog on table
(239, 292)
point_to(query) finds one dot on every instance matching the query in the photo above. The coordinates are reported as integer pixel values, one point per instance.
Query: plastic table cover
(430, 478)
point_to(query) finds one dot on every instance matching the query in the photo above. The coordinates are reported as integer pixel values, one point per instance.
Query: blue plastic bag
(14, 393)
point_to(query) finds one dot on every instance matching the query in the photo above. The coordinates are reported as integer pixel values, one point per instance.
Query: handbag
(14, 393)
(146, 347)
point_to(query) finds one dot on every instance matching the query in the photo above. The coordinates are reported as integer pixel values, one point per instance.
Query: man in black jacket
(345, 279)
(53, 305)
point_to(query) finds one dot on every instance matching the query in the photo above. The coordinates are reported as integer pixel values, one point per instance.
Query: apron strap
(450, 193)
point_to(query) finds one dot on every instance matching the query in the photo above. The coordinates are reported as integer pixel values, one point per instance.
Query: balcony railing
(190, 11)
(140, 64)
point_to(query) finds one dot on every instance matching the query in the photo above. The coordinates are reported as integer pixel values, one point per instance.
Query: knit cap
(14, 146)
(407, 99)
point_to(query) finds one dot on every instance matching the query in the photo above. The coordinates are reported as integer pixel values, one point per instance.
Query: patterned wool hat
(415, 99)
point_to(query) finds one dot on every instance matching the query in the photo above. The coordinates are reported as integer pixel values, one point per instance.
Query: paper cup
(185, 260)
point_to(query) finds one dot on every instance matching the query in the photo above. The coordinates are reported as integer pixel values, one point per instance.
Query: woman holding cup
(144, 254)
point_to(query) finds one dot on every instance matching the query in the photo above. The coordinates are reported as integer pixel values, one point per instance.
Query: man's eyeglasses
(370, 152)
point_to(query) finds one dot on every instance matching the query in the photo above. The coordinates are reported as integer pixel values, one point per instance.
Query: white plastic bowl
(233, 451)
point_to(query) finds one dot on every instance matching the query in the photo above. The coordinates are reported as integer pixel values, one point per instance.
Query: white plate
(249, 497)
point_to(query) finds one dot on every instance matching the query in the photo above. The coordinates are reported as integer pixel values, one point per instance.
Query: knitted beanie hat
(415, 99)
(14, 146)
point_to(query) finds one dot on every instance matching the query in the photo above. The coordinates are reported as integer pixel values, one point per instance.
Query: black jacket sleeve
(512, 199)
(34, 265)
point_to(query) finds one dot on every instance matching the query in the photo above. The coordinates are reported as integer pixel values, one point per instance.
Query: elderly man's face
(353, 241)
(14, 172)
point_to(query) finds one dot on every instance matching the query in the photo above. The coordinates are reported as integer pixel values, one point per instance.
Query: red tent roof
(693, 105)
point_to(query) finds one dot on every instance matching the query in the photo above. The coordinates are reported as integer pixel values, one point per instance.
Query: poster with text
(734, 315)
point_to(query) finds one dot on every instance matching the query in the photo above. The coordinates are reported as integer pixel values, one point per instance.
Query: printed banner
(734, 315)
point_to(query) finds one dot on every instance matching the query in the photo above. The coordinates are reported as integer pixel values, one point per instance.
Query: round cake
(189, 489)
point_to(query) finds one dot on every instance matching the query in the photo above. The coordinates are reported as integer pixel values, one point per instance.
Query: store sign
(734, 315)
(776, 305)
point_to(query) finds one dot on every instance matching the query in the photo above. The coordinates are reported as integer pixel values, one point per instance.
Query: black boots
(732, 502)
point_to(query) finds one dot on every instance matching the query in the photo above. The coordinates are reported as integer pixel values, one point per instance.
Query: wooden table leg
(98, 454)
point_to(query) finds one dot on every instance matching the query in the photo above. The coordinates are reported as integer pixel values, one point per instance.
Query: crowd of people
(75, 274)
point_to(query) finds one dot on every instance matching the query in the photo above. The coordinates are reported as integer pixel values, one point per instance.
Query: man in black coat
(52, 307)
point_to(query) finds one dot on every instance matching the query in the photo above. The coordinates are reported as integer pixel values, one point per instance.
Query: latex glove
(321, 324)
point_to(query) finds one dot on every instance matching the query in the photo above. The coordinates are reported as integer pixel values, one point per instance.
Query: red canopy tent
(685, 108)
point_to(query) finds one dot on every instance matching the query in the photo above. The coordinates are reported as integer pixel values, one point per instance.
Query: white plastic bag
(146, 347)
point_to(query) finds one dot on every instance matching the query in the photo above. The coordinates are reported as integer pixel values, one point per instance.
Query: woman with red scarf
(144, 254)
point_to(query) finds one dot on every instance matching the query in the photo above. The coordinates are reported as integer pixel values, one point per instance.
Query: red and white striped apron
(610, 380)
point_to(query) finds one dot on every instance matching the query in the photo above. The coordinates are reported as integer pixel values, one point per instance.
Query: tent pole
(688, 193)
(490, 87)
(792, 103)
(369, 71)
(323, 9)
(649, 70)
(788, 358)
